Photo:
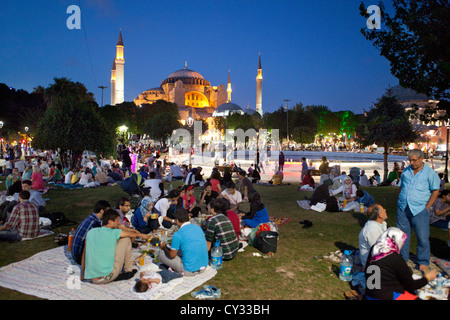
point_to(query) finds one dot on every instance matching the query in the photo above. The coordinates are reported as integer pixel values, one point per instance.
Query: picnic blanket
(53, 275)
(42, 233)
(66, 185)
(280, 220)
(304, 204)
(443, 264)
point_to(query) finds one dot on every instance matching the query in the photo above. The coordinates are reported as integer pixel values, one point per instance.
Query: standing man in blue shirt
(419, 186)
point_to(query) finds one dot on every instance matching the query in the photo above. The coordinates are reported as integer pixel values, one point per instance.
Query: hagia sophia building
(194, 95)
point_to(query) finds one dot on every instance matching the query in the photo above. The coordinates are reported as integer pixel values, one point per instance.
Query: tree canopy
(72, 122)
(386, 124)
(415, 41)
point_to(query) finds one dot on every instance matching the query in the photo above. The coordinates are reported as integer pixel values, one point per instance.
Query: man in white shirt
(84, 161)
(339, 180)
(373, 228)
(68, 177)
(20, 165)
(233, 196)
(154, 184)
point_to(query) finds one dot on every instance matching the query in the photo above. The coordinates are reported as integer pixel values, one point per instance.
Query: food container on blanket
(154, 216)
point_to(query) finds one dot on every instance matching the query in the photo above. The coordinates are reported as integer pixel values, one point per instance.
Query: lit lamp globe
(190, 121)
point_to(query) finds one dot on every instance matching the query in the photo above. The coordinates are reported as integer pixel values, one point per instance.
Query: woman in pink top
(37, 179)
(189, 202)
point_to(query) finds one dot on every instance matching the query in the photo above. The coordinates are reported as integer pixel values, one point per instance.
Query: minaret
(117, 85)
(113, 83)
(259, 80)
(229, 87)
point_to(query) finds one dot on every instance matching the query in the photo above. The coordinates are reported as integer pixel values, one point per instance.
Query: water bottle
(156, 254)
(439, 285)
(70, 240)
(216, 256)
(346, 267)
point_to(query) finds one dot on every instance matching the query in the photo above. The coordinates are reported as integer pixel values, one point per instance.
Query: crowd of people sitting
(103, 242)
(219, 198)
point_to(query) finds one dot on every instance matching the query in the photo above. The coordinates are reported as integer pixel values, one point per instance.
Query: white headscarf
(347, 187)
(389, 242)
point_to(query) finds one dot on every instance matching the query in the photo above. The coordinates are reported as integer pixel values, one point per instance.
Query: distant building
(194, 95)
(408, 98)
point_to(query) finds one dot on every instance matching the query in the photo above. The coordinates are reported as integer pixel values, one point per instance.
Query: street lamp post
(1, 151)
(123, 129)
(190, 122)
(26, 141)
(103, 88)
(447, 125)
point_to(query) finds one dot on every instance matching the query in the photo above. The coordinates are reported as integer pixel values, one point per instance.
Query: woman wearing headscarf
(348, 189)
(388, 277)
(141, 219)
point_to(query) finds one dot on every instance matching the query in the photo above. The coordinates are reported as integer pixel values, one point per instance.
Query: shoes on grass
(334, 257)
(306, 224)
(207, 293)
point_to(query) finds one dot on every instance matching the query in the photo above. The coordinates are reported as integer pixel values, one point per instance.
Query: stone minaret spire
(113, 83)
(259, 80)
(118, 86)
(229, 87)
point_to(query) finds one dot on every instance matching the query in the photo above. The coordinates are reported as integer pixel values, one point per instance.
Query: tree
(72, 123)
(303, 125)
(386, 124)
(20, 109)
(303, 134)
(415, 41)
(161, 126)
(242, 121)
(146, 112)
(326, 121)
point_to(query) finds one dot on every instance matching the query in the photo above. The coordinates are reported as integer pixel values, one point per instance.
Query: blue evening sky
(311, 51)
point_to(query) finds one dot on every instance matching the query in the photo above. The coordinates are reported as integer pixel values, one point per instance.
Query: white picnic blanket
(53, 275)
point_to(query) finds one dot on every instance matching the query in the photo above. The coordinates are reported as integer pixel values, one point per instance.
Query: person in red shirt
(308, 180)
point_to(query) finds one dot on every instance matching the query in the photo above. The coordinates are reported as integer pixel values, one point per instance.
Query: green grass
(295, 272)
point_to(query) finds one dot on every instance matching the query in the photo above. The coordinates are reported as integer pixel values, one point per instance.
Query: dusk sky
(311, 51)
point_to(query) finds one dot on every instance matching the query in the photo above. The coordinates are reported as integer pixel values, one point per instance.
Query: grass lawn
(296, 270)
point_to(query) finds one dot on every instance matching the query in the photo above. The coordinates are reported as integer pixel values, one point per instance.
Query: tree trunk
(76, 157)
(385, 161)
